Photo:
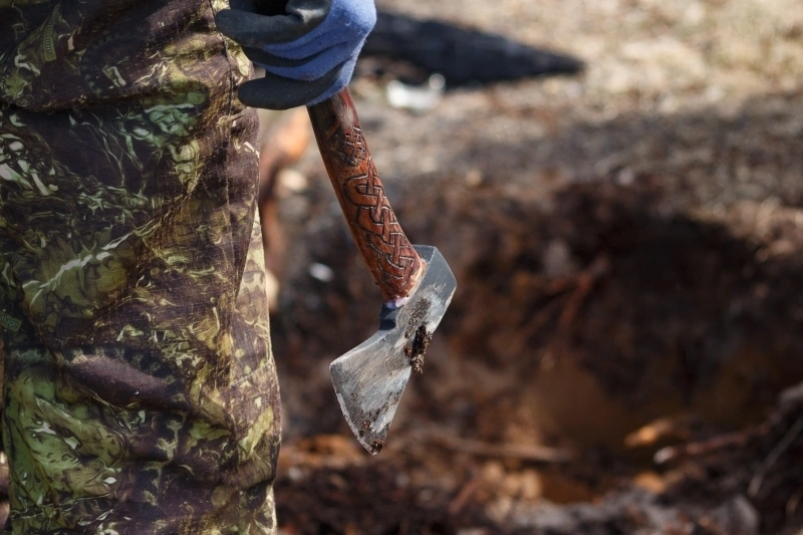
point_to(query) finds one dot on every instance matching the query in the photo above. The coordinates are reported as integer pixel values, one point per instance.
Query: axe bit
(415, 281)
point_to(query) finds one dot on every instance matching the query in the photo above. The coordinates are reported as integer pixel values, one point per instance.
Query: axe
(415, 281)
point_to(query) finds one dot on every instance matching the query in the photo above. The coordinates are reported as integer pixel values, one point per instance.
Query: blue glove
(308, 53)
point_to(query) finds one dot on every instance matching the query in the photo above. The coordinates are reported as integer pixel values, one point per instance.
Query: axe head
(369, 380)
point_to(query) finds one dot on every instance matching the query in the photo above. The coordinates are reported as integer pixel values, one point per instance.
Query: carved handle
(391, 259)
(394, 264)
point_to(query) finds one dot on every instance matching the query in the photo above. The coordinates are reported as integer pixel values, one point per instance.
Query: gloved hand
(309, 52)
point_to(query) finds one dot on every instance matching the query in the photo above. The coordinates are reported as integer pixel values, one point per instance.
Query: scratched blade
(370, 379)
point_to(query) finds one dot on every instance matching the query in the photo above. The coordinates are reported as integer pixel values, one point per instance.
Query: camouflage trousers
(140, 393)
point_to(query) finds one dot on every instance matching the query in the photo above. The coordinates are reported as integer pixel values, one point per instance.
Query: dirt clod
(365, 427)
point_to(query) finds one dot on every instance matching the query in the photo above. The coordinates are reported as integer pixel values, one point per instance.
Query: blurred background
(618, 187)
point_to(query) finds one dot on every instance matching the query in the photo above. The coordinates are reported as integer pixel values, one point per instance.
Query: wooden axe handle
(389, 255)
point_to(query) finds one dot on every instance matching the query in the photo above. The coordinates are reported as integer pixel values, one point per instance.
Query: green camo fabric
(140, 394)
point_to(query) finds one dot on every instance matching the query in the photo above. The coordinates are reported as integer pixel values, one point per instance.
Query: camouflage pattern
(140, 393)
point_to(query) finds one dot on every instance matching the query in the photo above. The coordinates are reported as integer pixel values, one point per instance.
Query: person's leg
(140, 393)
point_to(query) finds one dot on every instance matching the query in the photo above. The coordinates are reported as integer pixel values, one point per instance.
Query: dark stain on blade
(418, 348)
(372, 440)
(417, 316)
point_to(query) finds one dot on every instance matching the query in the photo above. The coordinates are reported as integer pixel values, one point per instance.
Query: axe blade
(370, 379)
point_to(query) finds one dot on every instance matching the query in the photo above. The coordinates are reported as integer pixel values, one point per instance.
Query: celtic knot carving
(389, 255)
(383, 232)
(373, 215)
(352, 149)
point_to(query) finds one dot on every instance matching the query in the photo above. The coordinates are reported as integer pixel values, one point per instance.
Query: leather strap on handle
(389, 255)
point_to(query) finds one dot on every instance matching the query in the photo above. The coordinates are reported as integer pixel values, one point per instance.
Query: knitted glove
(308, 53)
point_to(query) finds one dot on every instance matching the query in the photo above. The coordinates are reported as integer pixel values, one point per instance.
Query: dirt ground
(622, 353)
